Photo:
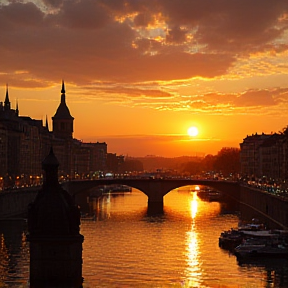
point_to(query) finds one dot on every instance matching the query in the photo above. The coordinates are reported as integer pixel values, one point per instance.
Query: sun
(192, 131)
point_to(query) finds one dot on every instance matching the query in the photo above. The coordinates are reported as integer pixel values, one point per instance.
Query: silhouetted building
(63, 136)
(12, 127)
(264, 155)
(62, 120)
(82, 160)
(3, 150)
(98, 155)
(24, 142)
(114, 162)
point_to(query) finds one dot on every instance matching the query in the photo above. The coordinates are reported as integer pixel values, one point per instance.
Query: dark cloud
(255, 98)
(88, 40)
(226, 24)
(143, 19)
(88, 14)
(176, 35)
(53, 3)
(19, 15)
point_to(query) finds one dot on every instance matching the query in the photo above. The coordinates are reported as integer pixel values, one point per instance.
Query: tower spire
(62, 121)
(63, 87)
(17, 109)
(46, 125)
(7, 101)
(63, 100)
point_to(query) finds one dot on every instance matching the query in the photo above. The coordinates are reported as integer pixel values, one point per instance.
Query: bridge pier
(155, 195)
(155, 207)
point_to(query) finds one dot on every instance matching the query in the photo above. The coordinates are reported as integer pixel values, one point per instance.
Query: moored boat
(230, 239)
(209, 195)
(114, 188)
(261, 248)
(235, 236)
(118, 188)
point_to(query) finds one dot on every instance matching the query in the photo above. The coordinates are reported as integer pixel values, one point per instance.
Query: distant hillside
(152, 163)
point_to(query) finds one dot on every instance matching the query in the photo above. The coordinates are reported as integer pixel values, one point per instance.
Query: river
(123, 247)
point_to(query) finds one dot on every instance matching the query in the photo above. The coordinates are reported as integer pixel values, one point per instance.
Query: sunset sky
(139, 73)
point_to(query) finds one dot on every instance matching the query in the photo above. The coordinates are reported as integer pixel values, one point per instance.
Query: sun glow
(192, 131)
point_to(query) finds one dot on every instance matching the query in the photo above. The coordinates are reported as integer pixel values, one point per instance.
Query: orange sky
(139, 73)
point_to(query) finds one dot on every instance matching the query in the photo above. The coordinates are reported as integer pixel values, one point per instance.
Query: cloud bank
(144, 50)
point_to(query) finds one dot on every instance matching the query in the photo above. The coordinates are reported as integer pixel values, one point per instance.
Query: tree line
(226, 161)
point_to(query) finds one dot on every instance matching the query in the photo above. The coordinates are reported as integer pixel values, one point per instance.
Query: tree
(131, 165)
(208, 162)
(192, 167)
(228, 161)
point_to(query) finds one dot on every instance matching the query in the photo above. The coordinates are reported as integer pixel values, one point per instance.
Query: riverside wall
(15, 203)
(269, 208)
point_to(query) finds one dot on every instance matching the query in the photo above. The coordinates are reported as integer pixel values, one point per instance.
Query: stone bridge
(155, 189)
(272, 208)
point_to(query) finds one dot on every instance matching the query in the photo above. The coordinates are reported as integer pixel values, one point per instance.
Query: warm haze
(139, 73)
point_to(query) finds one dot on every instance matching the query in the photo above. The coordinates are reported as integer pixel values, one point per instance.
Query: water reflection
(14, 254)
(275, 269)
(194, 205)
(100, 208)
(193, 271)
(129, 249)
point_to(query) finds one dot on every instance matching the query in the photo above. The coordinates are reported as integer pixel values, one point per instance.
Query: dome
(53, 212)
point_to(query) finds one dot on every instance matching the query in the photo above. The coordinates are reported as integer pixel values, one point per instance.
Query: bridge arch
(155, 189)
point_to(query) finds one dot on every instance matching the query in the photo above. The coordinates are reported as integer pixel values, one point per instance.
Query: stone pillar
(155, 207)
(53, 233)
(155, 195)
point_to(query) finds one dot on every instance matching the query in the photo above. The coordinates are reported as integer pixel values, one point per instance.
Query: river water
(123, 247)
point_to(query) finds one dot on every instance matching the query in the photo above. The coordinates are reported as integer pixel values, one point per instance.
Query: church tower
(62, 120)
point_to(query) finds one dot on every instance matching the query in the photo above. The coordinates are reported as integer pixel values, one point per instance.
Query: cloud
(88, 37)
(173, 145)
(176, 35)
(255, 98)
(86, 14)
(242, 26)
(257, 101)
(129, 43)
(53, 3)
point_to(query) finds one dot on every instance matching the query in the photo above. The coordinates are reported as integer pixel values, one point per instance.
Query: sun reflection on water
(194, 205)
(193, 270)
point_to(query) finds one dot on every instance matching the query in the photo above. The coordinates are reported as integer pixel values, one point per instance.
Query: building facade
(25, 142)
(264, 155)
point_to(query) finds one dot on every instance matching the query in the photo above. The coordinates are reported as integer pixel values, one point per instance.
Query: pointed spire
(50, 160)
(63, 100)
(7, 96)
(63, 87)
(17, 109)
(46, 125)
(50, 166)
(7, 101)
